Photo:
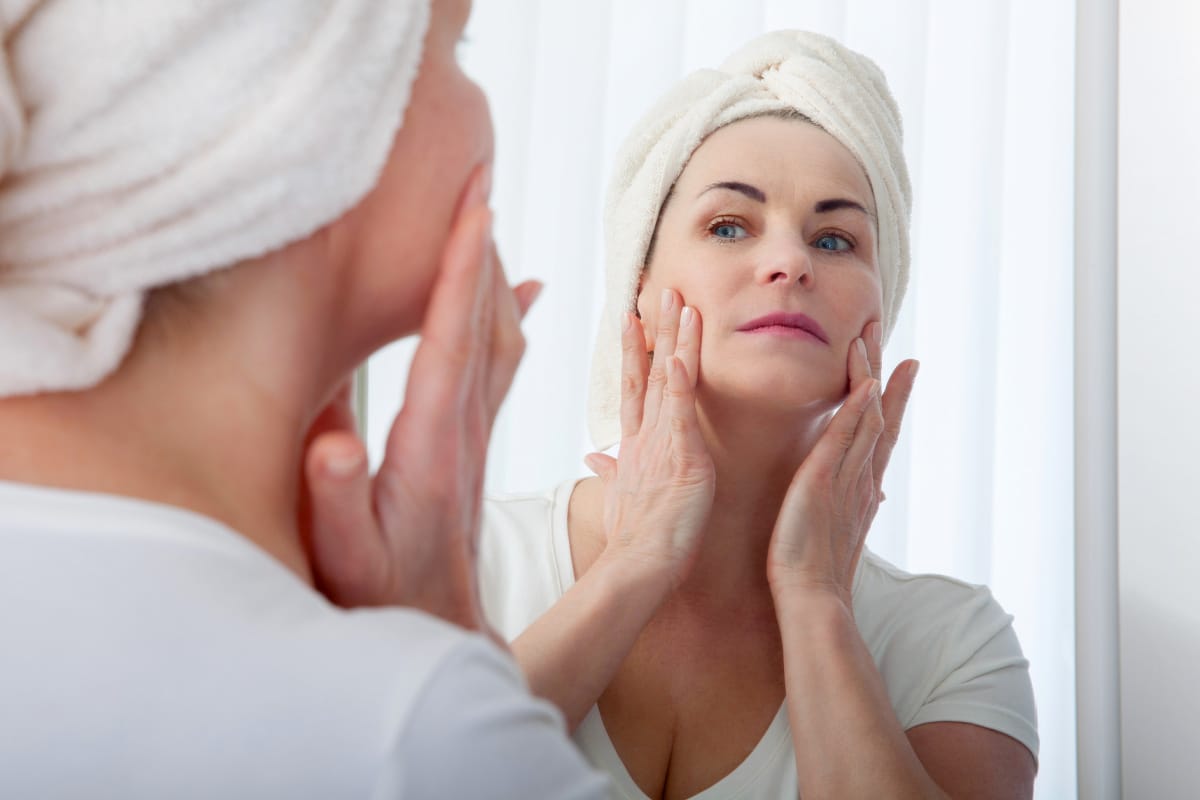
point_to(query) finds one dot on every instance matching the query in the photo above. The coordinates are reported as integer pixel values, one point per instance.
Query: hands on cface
(409, 534)
(658, 492)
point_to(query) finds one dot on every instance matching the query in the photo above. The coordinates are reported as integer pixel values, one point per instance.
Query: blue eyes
(833, 243)
(729, 231)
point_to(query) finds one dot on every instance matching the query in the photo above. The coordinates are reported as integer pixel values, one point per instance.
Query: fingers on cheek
(510, 343)
(678, 380)
(875, 421)
(857, 405)
(658, 370)
(470, 241)
(858, 367)
(631, 386)
(870, 430)
(472, 277)
(506, 315)
(668, 323)
(875, 348)
(686, 335)
(871, 400)
(820, 481)
(865, 358)
(632, 337)
(866, 414)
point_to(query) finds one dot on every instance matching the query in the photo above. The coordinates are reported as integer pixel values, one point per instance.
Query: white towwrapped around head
(836, 88)
(145, 142)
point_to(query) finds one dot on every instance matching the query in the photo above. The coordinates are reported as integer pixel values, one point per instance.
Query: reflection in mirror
(986, 95)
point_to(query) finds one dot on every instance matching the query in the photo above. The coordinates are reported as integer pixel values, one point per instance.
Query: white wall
(1158, 390)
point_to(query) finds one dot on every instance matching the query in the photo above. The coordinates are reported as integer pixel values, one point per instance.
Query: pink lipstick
(786, 324)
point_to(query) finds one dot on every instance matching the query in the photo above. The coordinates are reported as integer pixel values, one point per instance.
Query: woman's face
(771, 235)
(394, 238)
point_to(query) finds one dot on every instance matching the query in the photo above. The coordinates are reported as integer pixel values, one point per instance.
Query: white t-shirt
(148, 652)
(945, 648)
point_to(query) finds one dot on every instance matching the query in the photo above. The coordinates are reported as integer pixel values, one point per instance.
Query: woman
(704, 611)
(162, 634)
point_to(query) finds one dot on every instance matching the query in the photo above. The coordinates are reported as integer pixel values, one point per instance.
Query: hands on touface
(409, 535)
(659, 491)
(835, 493)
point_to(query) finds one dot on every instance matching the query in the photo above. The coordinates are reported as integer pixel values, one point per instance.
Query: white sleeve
(477, 732)
(983, 676)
